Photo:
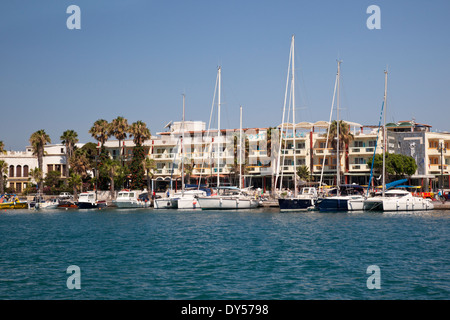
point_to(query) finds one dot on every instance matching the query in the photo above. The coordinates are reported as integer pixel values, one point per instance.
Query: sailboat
(186, 199)
(308, 195)
(346, 195)
(395, 199)
(226, 197)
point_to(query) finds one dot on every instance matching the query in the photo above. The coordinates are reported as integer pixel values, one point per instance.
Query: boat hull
(332, 204)
(391, 204)
(295, 204)
(165, 203)
(223, 203)
(131, 204)
(188, 203)
(91, 205)
(13, 205)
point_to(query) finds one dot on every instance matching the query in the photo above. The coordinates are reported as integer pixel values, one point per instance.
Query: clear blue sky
(135, 58)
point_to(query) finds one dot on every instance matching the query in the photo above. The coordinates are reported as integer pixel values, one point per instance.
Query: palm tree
(80, 163)
(3, 171)
(38, 176)
(112, 167)
(75, 181)
(140, 132)
(345, 137)
(38, 140)
(149, 166)
(119, 128)
(100, 131)
(303, 173)
(69, 138)
(2, 147)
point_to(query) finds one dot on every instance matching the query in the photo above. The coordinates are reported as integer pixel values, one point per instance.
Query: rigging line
(375, 150)
(328, 130)
(282, 120)
(208, 132)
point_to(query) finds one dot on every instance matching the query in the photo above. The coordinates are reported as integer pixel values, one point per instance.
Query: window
(372, 143)
(360, 161)
(19, 171)
(11, 171)
(25, 171)
(301, 145)
(359, 144)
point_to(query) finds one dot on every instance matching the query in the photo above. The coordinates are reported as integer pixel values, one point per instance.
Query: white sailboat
(396, 199)
(226, 197)
(186, 199)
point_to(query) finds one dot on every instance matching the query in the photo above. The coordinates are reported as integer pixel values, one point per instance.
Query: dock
(441, 206)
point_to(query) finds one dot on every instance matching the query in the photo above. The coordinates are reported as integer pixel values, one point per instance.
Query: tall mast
(338, 165)
(240, 150)
(182, 152)
(384, 133)
(218, 126)
(293, 116)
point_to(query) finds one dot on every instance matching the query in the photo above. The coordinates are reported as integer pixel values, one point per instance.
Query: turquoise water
(256, 254)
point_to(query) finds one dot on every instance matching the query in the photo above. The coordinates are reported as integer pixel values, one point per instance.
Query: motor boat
(87, 200)
(132, 199)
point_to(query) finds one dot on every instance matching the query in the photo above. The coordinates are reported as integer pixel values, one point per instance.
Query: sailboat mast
(293, 116)
(182, 151)
(240, 149)
(338, 165)
(218, 126)
(384, 133)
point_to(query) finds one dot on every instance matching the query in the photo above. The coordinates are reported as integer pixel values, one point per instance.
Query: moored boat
(397, 200)
(304, 201)
(228, 198)
(132, 199)
(11, 201)
(87, 200)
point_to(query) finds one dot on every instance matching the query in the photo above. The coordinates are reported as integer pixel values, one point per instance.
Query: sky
(136, 58)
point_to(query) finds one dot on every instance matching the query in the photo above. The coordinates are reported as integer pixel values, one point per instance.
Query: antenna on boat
(384, 132)
(338, 165)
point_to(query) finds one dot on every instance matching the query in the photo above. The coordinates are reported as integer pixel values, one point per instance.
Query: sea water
(240, 255)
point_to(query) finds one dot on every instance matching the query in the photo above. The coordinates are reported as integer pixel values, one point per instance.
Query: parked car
(65, 195)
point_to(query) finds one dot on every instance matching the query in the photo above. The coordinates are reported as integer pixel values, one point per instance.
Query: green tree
(100, 131)
(137, 168)
(75, 181)
(3, 173)
(149, 166)
(140, 132)
(303, 173)
(69, 138)
(119, 128)
(2, 147)
(345, 136)
(397, 165)
(38, 176)
(38, 140)
(112, 169)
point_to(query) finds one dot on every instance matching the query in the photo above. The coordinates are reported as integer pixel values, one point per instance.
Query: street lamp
(442, 149)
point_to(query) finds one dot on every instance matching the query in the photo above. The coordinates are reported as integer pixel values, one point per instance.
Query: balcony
(327, 168)
(290, 152)
(324, 151)
(436, 168)
(362, 150)
(359, 167)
